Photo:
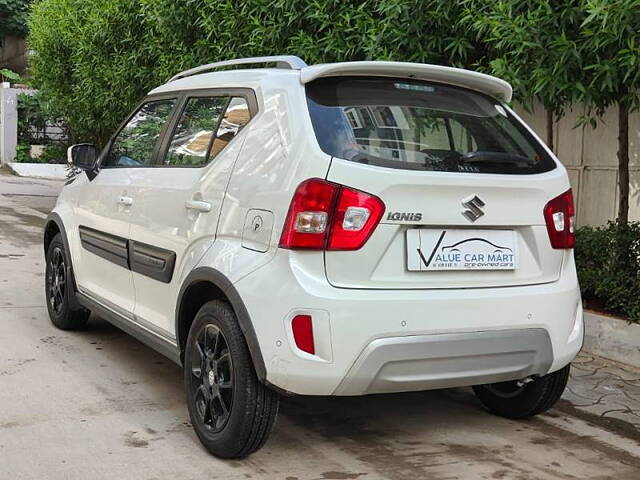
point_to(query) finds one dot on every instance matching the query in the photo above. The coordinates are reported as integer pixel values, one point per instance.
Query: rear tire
(231, 411)
(509, 400)
(58, 287)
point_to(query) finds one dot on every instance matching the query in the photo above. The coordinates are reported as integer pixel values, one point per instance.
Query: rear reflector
(302, 326)
(325, 215)
(559, 214)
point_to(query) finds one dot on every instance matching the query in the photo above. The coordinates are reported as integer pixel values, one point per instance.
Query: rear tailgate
(433, 200)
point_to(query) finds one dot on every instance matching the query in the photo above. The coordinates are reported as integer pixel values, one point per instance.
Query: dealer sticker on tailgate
(460, 249)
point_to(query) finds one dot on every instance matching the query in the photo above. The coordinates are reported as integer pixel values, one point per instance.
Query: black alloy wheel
(212, 387)
(59, 289)
(231, 411)
(56, 280)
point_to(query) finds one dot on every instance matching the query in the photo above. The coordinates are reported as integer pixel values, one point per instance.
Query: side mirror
(83, 156)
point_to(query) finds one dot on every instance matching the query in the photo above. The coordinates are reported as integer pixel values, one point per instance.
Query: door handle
(198, 205)
(126, 201)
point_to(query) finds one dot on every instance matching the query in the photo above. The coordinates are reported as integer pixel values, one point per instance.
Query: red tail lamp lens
(559, 216)
(356, 216)
(325, 215)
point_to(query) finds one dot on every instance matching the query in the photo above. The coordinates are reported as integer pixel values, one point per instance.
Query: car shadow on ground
(349, 417)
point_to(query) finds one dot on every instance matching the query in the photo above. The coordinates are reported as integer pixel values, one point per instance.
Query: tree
(611, 48)
(13, 17)
(535, 46)
(94, 59)
(91, 62)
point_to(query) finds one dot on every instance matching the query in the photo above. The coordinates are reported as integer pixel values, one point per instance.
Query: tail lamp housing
(328, 216)
(559, 215)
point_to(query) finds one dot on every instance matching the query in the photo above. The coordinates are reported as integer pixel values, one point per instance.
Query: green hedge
(608, 262)
(13, 17)
(96, 58)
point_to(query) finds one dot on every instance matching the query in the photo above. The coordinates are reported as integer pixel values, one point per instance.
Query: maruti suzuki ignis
(338, 229)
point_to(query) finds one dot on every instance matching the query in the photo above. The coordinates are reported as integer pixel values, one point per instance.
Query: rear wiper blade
(497, 157)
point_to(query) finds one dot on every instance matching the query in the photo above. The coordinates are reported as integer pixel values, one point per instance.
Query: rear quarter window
(414, 125)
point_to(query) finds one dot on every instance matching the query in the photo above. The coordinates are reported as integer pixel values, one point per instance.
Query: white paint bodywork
(477, 81)
(354, 297)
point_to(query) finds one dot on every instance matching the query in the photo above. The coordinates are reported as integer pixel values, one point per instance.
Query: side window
(134, 144)
(193, 136)
(206, 126)
(235, 117)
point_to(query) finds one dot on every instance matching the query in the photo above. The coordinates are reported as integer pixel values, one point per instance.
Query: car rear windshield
(414, 125)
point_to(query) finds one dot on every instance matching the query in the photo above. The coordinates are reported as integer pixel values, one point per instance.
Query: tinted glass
(134, 144)
(396, 123)
(195, 132)
(235, 117)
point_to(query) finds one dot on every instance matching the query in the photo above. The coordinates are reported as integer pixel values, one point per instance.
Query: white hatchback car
(339, 229)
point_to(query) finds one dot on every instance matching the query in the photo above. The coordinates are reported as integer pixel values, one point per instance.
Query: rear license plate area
(432, 249)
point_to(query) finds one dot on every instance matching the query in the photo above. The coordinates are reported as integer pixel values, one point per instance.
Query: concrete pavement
(98, 404)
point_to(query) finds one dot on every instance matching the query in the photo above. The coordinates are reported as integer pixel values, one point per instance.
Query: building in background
(13, 54)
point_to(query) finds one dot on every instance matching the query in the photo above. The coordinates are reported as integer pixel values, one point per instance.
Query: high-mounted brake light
(325, 215)
(559, 214)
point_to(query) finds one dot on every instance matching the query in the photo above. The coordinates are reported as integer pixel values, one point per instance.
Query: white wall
(590, 156)
(9, 121)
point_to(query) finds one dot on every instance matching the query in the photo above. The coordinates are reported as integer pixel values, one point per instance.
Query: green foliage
(35, 114)
(533, 45)
(96, 58)
(8, 75)
(608, 263)
(13, 17)
(610, 48)
(53, 153)
(34, 117)
(23, 153)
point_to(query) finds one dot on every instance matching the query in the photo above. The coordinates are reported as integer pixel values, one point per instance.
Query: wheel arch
(202, 285)
(52, 226)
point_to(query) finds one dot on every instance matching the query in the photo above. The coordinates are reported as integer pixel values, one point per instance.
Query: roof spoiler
(481, 82)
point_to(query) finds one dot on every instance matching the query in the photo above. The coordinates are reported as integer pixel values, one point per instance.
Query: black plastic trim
(153, 262)
(218, 279)
(110, 247)
(150, 339)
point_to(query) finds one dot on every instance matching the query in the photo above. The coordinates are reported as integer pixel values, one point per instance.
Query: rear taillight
(325, 215)
(559, 214)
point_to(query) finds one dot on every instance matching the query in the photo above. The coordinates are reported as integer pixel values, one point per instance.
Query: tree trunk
(550, 128)
(623, 164)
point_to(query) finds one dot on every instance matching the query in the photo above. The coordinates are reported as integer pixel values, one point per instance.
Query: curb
(39, 170)
(612, 338)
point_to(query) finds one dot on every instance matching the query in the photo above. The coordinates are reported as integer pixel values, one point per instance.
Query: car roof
(288, 66)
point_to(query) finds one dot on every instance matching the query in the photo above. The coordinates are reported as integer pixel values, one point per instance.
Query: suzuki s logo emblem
(473, 208)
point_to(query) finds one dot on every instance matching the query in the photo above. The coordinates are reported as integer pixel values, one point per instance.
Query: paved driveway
(98, 404)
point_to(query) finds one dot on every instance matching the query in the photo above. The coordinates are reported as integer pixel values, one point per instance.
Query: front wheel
(59, 289)
(522, 400)
(232, 412)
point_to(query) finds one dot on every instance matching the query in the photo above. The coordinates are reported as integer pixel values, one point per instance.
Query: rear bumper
(369, 341)
(425, 362)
